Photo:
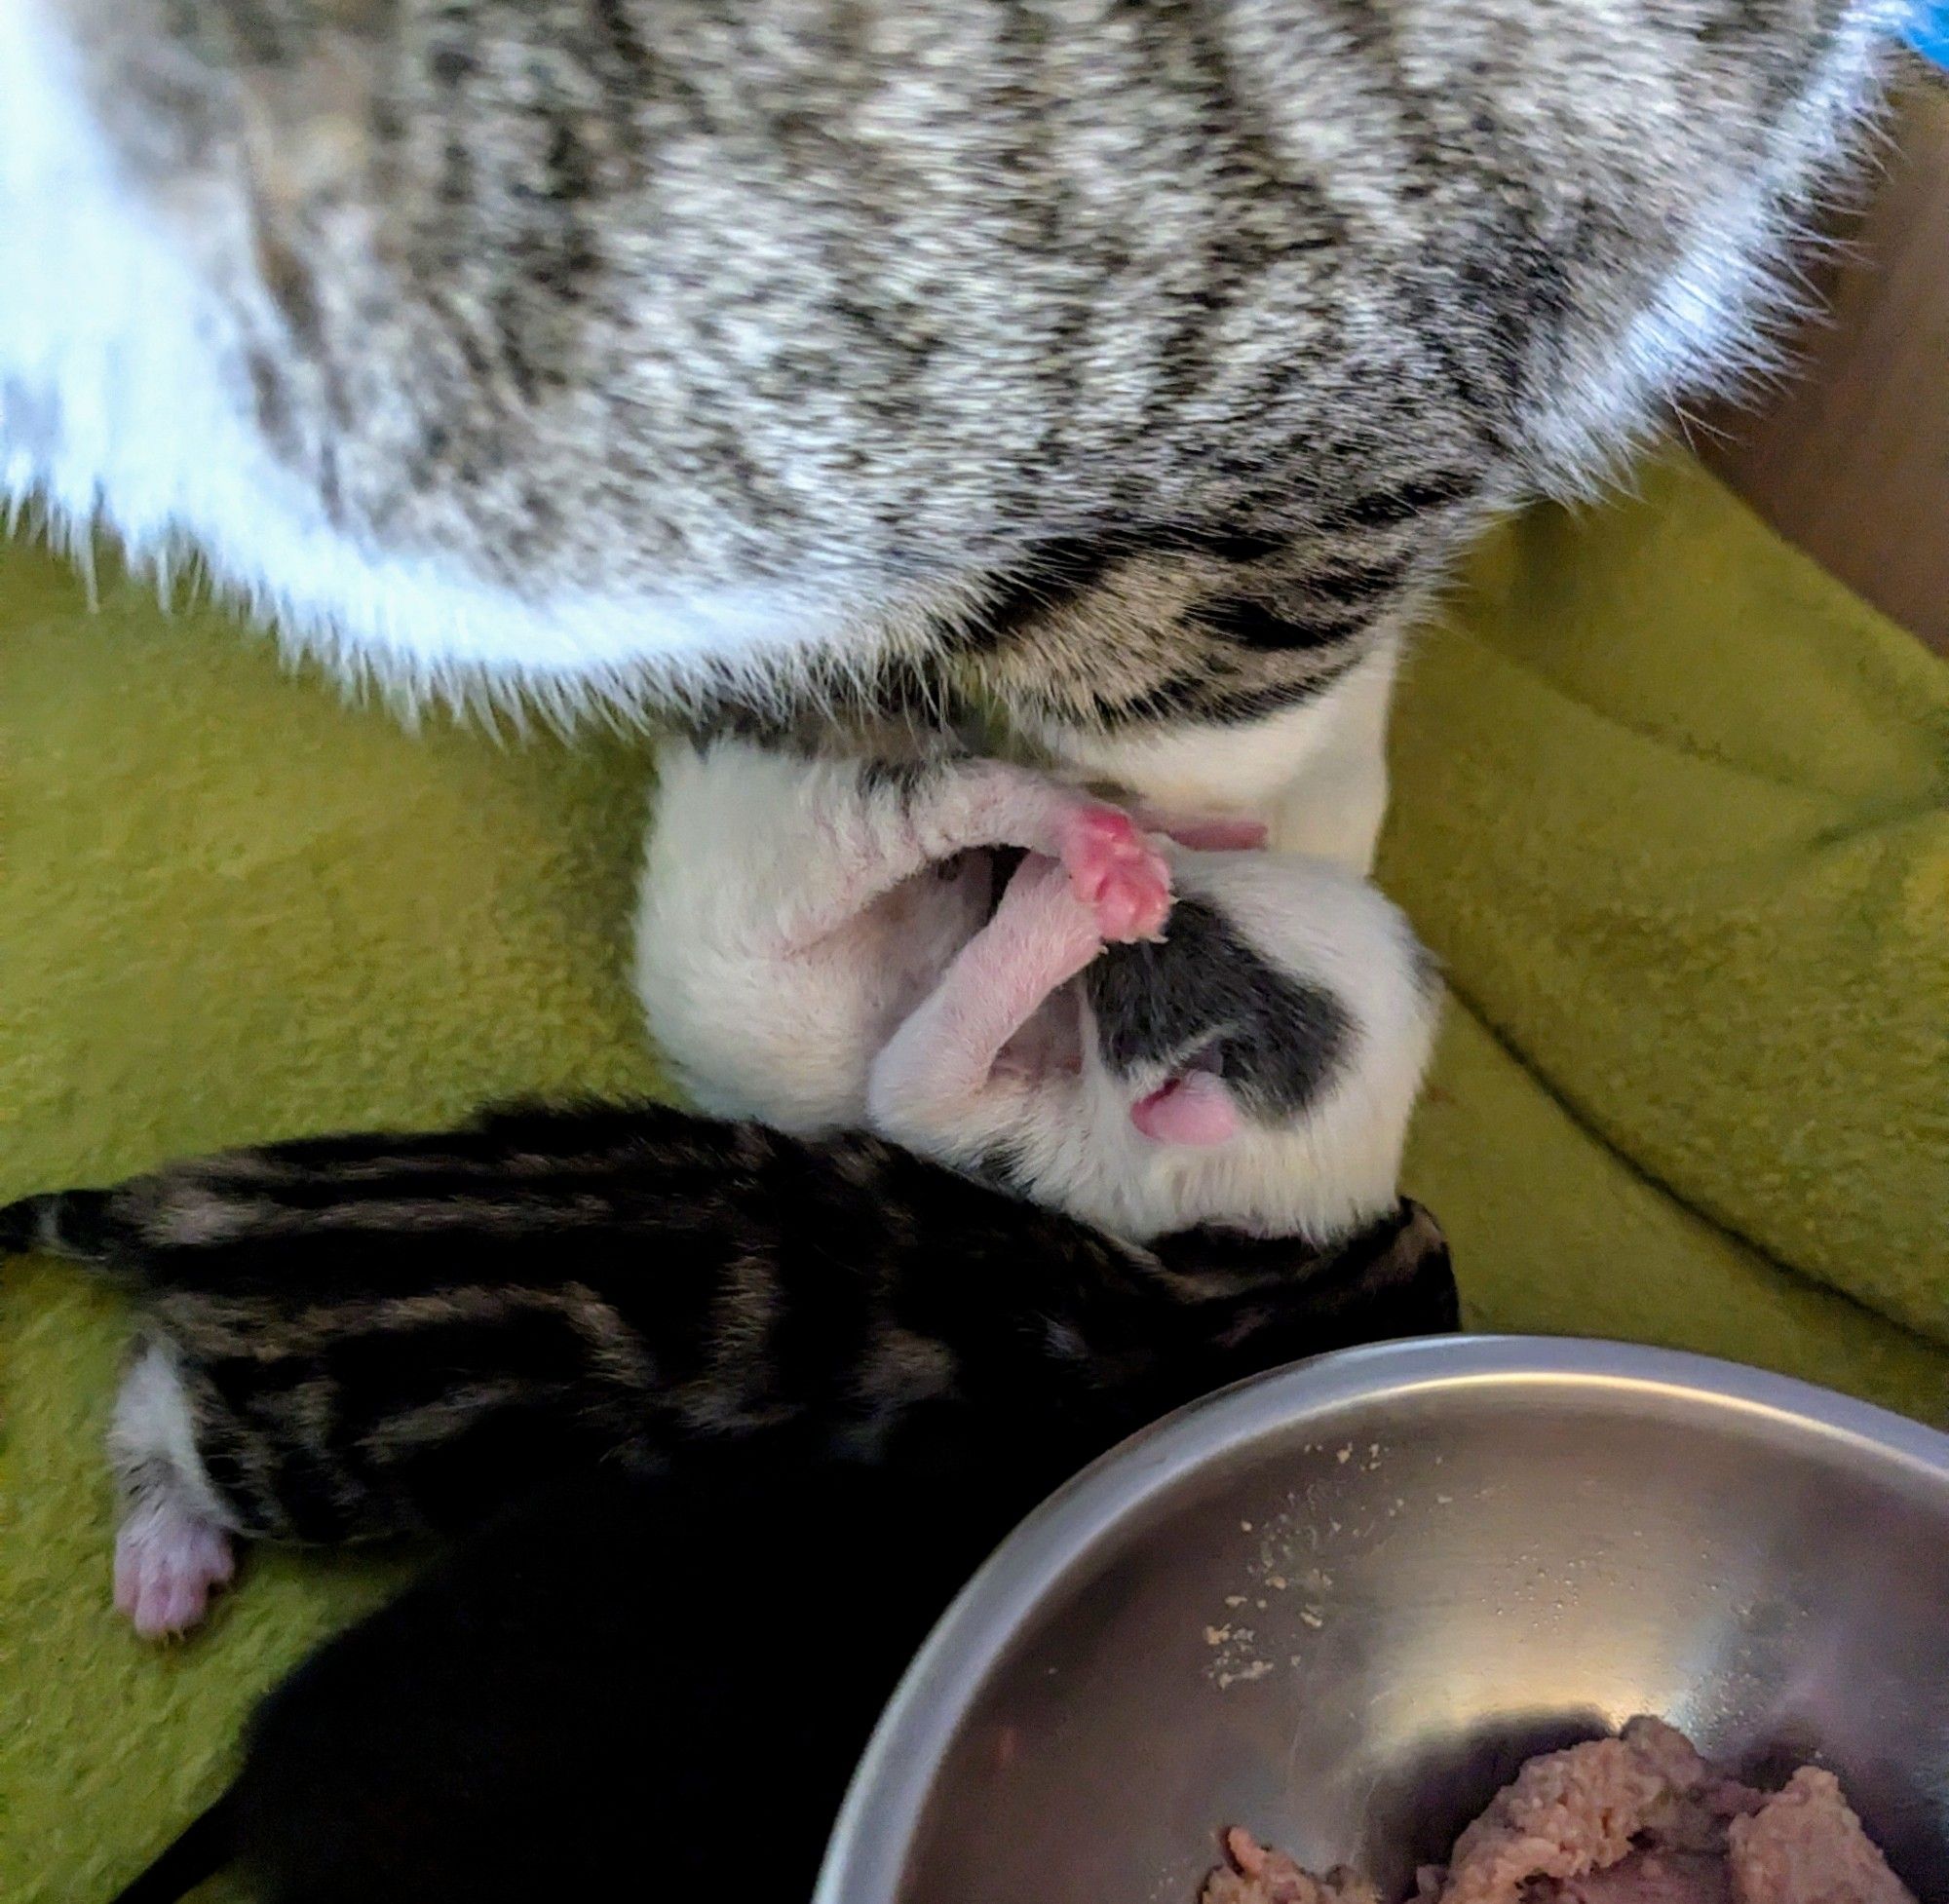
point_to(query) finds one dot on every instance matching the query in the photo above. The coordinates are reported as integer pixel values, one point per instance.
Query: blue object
(1930, 31)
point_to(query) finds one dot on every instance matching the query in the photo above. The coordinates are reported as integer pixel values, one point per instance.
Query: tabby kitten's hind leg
(172, 1549)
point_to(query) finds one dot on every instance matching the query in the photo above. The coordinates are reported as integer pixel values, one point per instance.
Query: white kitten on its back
(796, 910)
(820, 945)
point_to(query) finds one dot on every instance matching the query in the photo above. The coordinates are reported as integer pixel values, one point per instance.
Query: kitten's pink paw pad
(167, 1566)
(1117, 873)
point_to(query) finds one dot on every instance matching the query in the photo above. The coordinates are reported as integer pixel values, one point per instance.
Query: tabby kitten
(358, 1337)
(1134, 365)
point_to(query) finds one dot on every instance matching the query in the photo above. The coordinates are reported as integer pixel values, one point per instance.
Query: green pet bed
(1671, 806)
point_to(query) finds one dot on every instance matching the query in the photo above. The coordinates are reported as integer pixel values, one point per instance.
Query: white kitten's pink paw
(1116, 872)
(168, 1563)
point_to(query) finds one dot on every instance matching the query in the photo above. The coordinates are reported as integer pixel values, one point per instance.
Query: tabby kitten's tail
(72, 1223)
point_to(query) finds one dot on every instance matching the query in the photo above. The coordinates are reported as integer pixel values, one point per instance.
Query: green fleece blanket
(1673, 808)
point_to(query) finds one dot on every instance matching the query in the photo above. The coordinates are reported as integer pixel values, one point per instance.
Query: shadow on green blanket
(1674, 809)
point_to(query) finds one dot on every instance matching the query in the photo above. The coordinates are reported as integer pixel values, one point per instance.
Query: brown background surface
(1852, 460)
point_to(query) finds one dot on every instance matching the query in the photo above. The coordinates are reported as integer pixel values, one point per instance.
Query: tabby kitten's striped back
(354, 1337)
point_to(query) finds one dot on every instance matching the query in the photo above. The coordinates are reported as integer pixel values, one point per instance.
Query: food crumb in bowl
(1641, 1818)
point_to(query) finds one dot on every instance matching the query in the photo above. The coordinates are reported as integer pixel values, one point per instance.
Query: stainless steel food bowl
(1340, 1603)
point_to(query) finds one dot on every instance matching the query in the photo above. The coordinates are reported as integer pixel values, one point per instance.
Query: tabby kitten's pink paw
(168, 1563)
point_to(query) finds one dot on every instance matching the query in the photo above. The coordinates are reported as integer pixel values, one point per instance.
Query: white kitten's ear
(1194, 1109)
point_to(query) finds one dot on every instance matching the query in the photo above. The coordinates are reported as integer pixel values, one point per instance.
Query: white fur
(1316, 773)
(172, 1548)
(152, 1438)
(792, 979)
(771, 961)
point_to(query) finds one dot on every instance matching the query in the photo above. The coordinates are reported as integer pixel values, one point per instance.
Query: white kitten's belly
(790, 1041)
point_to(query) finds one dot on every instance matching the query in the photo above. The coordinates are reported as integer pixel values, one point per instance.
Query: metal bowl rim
(866, 1853)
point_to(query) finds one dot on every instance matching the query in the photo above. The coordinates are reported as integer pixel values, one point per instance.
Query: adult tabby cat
(1134, 363)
